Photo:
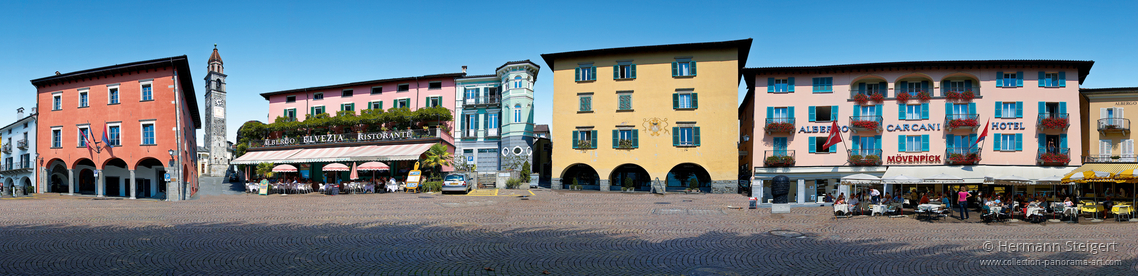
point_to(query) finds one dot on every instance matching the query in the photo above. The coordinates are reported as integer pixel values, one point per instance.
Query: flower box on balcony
(877, 98)
(780, 127)
(625, 144)
(864, 124)
(1054, 158)
(924, 96)
(963, 159)
(584, 144)
(962, 123)
(780, 161)
(865, 160)
(1054, 123)
(861, 99)
(902, 97)
(967, 96)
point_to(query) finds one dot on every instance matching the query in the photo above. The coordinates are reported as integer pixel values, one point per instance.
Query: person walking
(963, 202)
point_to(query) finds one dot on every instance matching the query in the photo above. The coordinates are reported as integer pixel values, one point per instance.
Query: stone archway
(28, 189)
(630, 172)
(116, 178)
(85, 181)
(57, 174)
(680, 177)
(585, 175)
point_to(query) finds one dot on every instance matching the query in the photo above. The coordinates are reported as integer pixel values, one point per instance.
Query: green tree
(525, 172)
(437, 157)
(265, 169)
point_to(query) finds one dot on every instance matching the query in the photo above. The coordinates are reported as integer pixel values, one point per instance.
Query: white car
(457, 183)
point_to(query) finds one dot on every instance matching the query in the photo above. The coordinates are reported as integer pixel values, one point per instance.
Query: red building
(148, 112)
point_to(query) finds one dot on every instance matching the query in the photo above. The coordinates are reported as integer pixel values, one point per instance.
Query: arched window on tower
(517, 81)
(217, 84)
(517, 113)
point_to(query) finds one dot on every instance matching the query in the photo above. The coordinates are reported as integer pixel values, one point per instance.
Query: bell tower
(214, 135)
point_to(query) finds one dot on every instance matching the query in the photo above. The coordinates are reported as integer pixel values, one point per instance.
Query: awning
(269, 156)
(1112, 168)
(361, 153)
(977, 174)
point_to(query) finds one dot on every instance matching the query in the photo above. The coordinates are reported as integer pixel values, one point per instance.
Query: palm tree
(437, 157)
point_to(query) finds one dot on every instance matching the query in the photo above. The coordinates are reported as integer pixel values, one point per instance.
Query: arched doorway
(9, 187)
(116, 178)
(632, 173)
(682, 175)
(57, 177)
(28, 189)
(149, 177)
(85, 181)
(585, 176)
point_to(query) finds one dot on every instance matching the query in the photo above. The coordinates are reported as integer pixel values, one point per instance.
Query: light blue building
(18, 155)
(495, 116)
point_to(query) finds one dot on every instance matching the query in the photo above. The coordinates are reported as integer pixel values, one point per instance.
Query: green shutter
(577, 74)
(1041, 77)
(312, 111)
(632, 68)
(636, 138)
(1019, 79)
(675, 69)
(1063, 141)
(999, 109)
(1019, 141)
(790, 112)
(695, 135)
(834, 113)
(901, 143)
(925, 143)
(925, 111)
(901, 111)
(790, 84)
(575, 138)
(692, 67)
(813, 144)
(996, 141)
(1019, 109)
(694, 100)
(1062, 79)
(812, 113)
(593, 138)
(616, 71)
(675, 100)
(675, 136)
(1000, 79)
(593, 74)
(615, 138)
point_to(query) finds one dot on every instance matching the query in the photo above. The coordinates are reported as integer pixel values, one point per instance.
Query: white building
(18, 154)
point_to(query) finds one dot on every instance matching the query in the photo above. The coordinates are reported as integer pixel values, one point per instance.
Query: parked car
(457, 182)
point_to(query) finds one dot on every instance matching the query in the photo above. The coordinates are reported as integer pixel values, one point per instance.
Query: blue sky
(276, 45)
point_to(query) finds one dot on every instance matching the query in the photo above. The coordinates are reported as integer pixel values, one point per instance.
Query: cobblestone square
(550, 232)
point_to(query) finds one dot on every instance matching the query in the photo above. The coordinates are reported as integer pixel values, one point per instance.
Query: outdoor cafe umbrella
(284, 168)
(860, 178)
(373, 166)
(355, 174)
(1088, 176)
(901, 179)
(1012, 180)
(336, 167)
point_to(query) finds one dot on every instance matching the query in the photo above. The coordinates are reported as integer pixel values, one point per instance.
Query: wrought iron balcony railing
(1053, 156)
(954, 122)
(1114, 125)
(1107, 158)
(1053, 121)
(962, 155)
(865, 123)
(865, 157)
(778, 158)
(779, 125)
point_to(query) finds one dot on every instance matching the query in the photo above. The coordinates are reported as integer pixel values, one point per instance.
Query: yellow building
(1106, 124)
(623, 117)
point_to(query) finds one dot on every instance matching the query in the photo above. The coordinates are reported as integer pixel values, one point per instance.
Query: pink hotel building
(787, 113)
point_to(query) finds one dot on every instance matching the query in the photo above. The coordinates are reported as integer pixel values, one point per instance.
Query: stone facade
(214, 136)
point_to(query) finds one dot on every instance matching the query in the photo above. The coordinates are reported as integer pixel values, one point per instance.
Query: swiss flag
(835, 136)
(983, 134)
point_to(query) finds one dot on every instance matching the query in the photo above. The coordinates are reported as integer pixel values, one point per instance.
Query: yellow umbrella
(1085, 176)
(1127, 174)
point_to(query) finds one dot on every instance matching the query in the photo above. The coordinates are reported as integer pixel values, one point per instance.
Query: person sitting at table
(853, 203)
(1067, 202)
(924, 199)
(841, 199)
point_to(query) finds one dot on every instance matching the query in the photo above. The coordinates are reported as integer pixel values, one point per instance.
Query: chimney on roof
(464, 69)
(56, 73)
(19, 113)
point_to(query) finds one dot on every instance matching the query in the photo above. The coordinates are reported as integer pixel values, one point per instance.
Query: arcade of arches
(114, 178)
(680, 177)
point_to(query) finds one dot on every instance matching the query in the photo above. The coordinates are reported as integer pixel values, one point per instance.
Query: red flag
(835, 136)
(87, 139)
(982, 134)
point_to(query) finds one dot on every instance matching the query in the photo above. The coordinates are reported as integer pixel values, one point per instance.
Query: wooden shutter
(1000, 79)
(770, 85)
(636, 138)
(675, 69)
(901, 143)
(996, 142)
(675, 136)
(692, 67)
(813, 144)
(694, 100)
(925, 86)
(615, 138)
(1062, 79)
(695, 135)
(925, 143)
(999, 109)
(593, 137)
(1041, 82)
(1019, 109)
(790, 84)
(812, 112)
(901, 111)
(632, 70)
(1019, 79)
(577, 74)
(834, 113)
(925, 111)
(676, 102)
(616, 71)
(575, 139)
(1019, 141)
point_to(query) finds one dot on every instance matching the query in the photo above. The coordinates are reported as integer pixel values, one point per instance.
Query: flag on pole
(87, 138)
(835, 136)
(982, 134)
(106, 138)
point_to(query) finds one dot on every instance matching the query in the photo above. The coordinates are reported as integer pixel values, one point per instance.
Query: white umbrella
(944, 178)
(861, 178)
(901, 179)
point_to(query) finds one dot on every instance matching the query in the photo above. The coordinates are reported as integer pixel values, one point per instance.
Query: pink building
(409, 92)
(932, 134)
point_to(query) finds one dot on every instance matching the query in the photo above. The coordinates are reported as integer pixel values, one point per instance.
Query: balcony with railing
(956, 122)
(1107, 158)
(1114, 125)
(1053, 157)
(476, 101)
(7, 148)
(493, 132)
(779, 125)
(778, 158)
(16, 166)
(865, 123)
(865, 157)
(1053, 121)
(962, 156)
(469, 133)
(22, 144)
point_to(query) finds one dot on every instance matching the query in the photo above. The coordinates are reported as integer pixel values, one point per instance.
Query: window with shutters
(913, 143)
(1010, 79)
(1008, 110)
(290, 114)
(913, 87)
(955, 86)
(869, 88)
(348, 107)
(687, 137)
(585, 103)
(624, 71)
(434, 101)
(584, 139)
(585, 72)
(625, 101)
(375, 105)
(1050, 80)
(823, 113)
(822, 85)
(685, 99)
(683, 67)
(626, 139)
(317, 110)
(820, 144)
(403, 103)
(1009, 142)
(913, 112)
(780, 85)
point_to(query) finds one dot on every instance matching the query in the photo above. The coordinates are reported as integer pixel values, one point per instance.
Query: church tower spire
(214, 136)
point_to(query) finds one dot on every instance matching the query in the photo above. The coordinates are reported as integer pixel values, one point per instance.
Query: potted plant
(951, 95)
(902, 97)
(624, 144)
(1054, 123)
(967, 96)
(924, 96)
(961, 123)
(693, 185)
(627, 185)
(865, 124)
(861, 98)
(780, 127)
(584, 144)
(575, 186)
(877, 98)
